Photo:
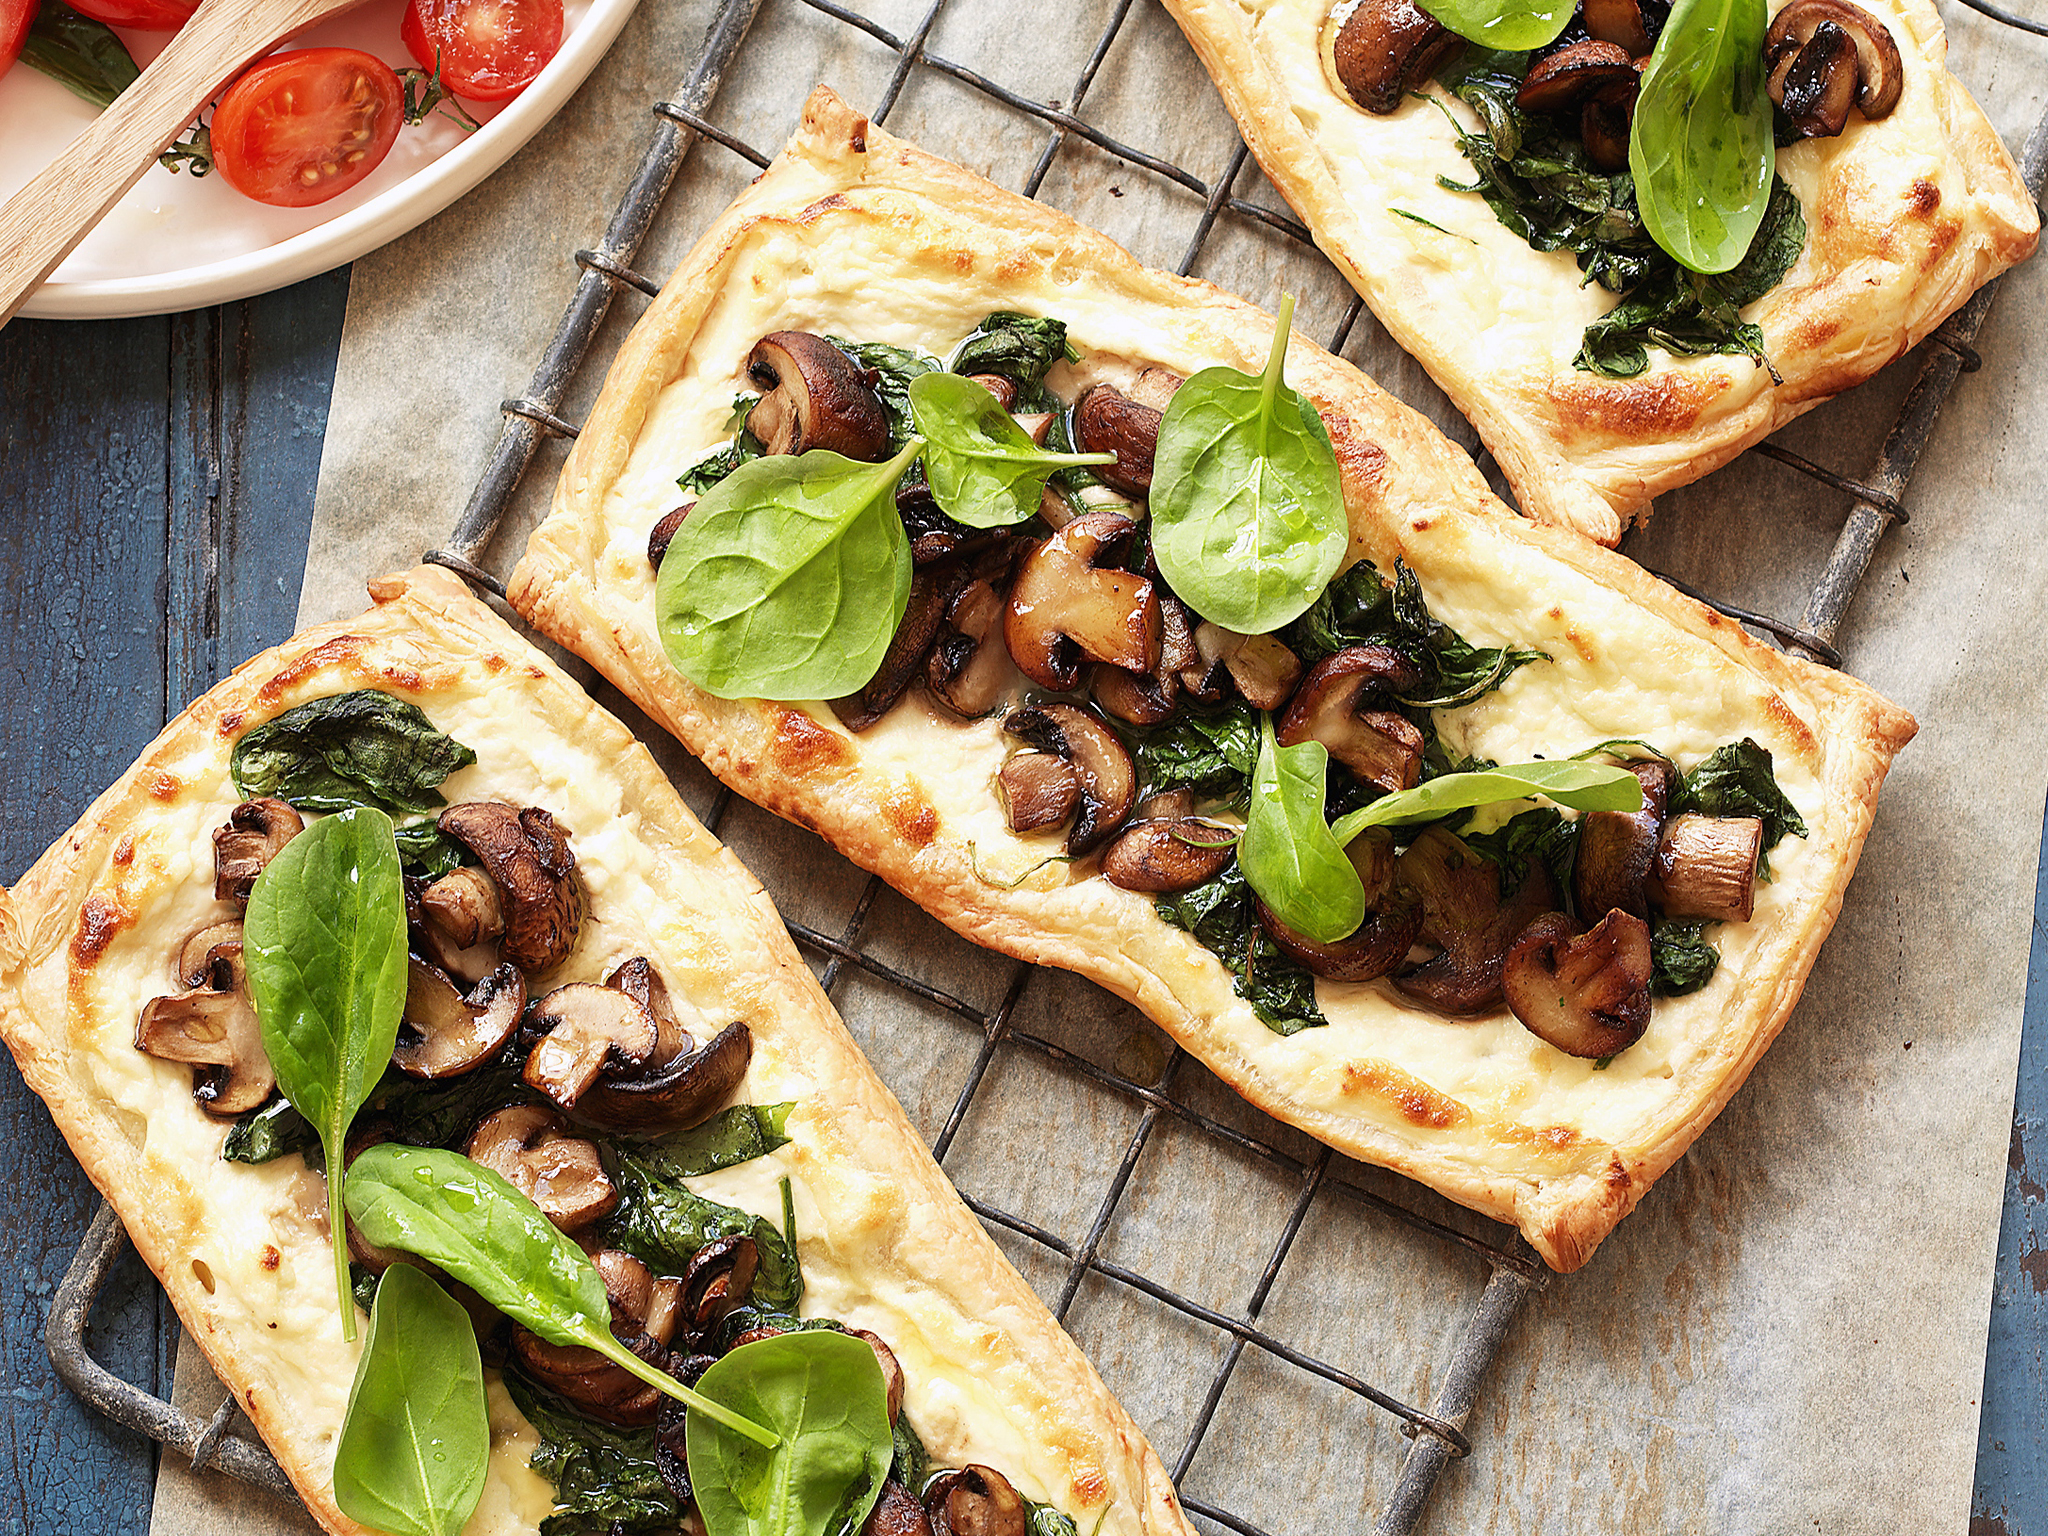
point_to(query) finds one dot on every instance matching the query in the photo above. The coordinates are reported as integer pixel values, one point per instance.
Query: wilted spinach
(891, 371)
(730, 1137)
(1221, 915)
(607, 1480)
(1044, 1520)
(427, 852)
(663, 1223)
(1681, 959)
(1022, 348)
(358, 748)
(1211, 754)
(1736, 780)
(1541, 836)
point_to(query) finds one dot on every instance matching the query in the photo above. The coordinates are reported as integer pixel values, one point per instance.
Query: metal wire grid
(1437, 1431)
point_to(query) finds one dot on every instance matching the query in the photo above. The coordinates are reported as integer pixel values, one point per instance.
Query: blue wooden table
(156, 488)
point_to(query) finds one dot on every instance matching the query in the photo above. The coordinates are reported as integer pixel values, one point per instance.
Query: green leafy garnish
(1503, 24)
(823, 1395)
(475, 1225)
(1221, 916)
(416, 1441)
(662, 1223)
(1681, 960)
(1288, 854)
(983, 470)
(1248, 519)
(1358, 608)
(1416, 218)
(789, 578)
(1700, 147)
(1211, 754)
(361, 748)
(607, 1481)
(1736, 780)
(730, 1137)
(324, 942)
(1022, 348)
(1582, 786)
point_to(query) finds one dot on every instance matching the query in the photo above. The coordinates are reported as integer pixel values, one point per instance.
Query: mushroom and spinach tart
(1489, 207)
(1340, 857)
(600, 1022)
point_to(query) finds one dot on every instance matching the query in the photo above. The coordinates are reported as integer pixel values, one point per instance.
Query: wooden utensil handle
(42, 222)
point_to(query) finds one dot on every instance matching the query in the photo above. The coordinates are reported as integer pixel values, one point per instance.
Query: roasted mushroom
(1588, 993)
(931, 592)
(814, 396)
(639, 980)
(196, 956)
(1464, 916)
(213, 1028)
(1617, 848)
(1624, 23)
(529, 857)
(663, 533)
(969, 669)
(974, 1501)
(719, 1277)
(1567, 77)
(586, 1027)
(673, 1095)
(463, 909)
(1332, 706)
(1604, 125)
(1382, 49)
(446, 1032)
(1262, 666)
(1001, 385)
(1038, 790)
(255, 831)
(533, 1148)
(1706, 867)
(1393, 920)
(1149, 698)
(1108, 781)
(897, 1513)
(1108, 421)
(644, 1317)
(1169, 854)
(1063, 607)
(892, 1372)
(1812, 89)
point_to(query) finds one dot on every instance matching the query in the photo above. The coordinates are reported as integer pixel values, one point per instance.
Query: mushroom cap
(1587, 994)
(639, 980)
(931, 593)
(586, 1027)
(668, 1096)
(445, 1033)
(1880, 71)
(1108, 421)
(1623, 23)
(197, 955)
(1378, 745)
(532, 1147)
(814, 396)
(1381, 943)
(1464, 915)
(1168, 854)
(255, 831)
(719, 1277)
(1038, 790)
(1107, 778)
(1571, 74)
(897, 1513)
(1262, 666)
(663, 533)
(1706, 867)
(527, 853)
(601, 1389)
(1617, 848)
(213, 1029)
(463, 908)
(1063, 607)
(1382, 49)
(1604, 123)
(969, 669)
(974, 1501)
(1816, 84)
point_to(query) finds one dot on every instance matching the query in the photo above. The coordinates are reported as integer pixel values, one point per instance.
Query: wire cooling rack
(1437, 1430)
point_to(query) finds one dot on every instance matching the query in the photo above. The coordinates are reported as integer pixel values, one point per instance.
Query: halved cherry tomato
(16, 16)
(488, 49)
(302, 127)
(142, 15)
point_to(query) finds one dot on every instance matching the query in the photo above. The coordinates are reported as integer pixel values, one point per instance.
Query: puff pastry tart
(565, 870)
(998, 766)
(1906, 212)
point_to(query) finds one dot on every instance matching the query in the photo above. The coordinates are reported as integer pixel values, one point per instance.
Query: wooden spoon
(45, 219)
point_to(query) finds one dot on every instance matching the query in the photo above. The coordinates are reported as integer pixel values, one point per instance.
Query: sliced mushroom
(255, 831)
(1330, 706)
(639, 980)
(1563, 79)
(1155, 387)
(1262, 666)
(1617, 848)
(1623, 23)
(1168, 854)
(969, 669)
(1393, 920)
(1108, 780)
(1038, 790)
(1464, 916)
(1706, 867)
(897, 1513)
(1108, 421)
(463, 909)
(1150, 698)
(892, 1372)
(529, 857)
(1062, 607)
(197, 954)
(1385, 48)
(1604, 123)
(601, 1389)
(663, 533)
(1001, 385)
(1816, 84)
(444, 1032)
(213, 1029)
(533, 1148)
(673, 1096)
(720, 1276)
(1589, 994)
(586, 1027)
(1880, 74)
(931, 591)
(975, 1501)
(814, 396)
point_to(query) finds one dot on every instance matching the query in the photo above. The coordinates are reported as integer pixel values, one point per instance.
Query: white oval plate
(175, 243)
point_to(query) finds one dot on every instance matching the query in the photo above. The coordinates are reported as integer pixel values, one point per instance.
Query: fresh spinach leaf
(664, 1224)
(1221, 916)
(1248, 519)
(789, 578)
(324, 942)
(475, 1225)
(1211, 754)
(1503, 24)
(1681, 959)
(1736, 780)
(1022, 348)
(891, 371)
(823, 1396)
(983, 470)
(1582, 786)
(359, 748)
(730, 1137)
(607, 1480)
(416, 1440)
(1287, 854)
(1700, 146)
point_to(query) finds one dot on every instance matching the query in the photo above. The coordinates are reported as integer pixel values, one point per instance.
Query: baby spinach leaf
(891, 371)
(1211, 754)
(1503, 24)
(1022, 348)
(1288, 855)
(416, 1441)
(1248, 518)
(1221, 916)
(664, 1224)
(1736, 780)
(325, 946)
(359, 748)
(1582, 786)
(789, 578)
(474, 1224)
(1700, 147)
(607, 1480)
(983, 470)
(1681, 959)
(730, 1137)
(823, 1396)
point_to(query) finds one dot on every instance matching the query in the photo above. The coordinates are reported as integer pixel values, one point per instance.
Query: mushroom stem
(1706, 867)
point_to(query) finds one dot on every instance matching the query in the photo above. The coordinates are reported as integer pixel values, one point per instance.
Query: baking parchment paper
(1789, 1333)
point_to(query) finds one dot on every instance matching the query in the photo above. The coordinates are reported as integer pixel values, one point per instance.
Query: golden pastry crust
(855, 233)
(91, 932)
(1907, 217)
